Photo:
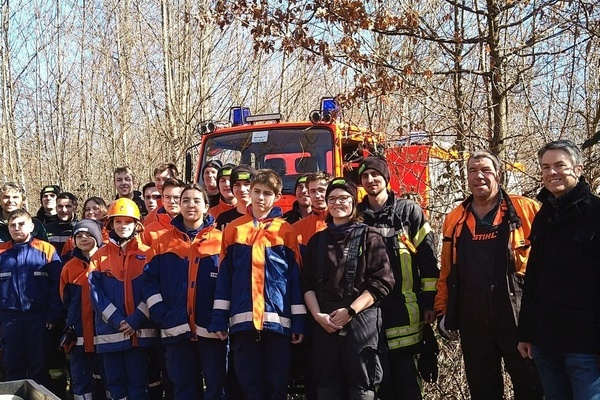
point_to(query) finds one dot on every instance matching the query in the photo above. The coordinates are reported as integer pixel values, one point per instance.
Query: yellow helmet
(123, 207)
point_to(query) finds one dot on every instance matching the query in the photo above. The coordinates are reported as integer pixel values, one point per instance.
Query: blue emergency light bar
(238, 115)
(329, 105)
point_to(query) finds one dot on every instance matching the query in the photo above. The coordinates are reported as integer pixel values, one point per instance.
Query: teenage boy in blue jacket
(30, 304)
(258, 296)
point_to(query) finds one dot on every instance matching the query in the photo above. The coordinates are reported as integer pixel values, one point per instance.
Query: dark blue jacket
(180, 280)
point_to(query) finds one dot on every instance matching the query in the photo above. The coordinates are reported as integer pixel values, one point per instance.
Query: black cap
(216, 164)
(377, 163)
(49, 189)
(225, 170)
(301, 179)
(344, 184)
(241, 173)
(90, 226)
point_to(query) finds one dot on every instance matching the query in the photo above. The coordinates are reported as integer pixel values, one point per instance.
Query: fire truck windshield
(290, 152)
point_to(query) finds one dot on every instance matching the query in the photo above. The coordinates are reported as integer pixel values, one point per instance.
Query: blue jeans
(568, 376)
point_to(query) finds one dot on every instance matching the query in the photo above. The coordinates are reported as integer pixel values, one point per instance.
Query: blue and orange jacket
(175, 261)
(29, 278)
(153, 230)
(258, 287)
(215, 211)
(116, 291)
(75, 294)
(308, 226)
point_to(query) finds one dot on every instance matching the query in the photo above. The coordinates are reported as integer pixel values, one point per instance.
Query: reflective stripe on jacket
(116, 288)
(258, 286)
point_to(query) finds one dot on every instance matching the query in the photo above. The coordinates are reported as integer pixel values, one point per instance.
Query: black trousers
(483, 352)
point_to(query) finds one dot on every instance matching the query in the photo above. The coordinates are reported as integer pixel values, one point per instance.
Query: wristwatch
(351, 311)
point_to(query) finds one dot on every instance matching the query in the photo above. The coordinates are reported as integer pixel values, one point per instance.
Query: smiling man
(410, 249)
(12, 197)
(484, 258)
(124, 182)
(560, 314)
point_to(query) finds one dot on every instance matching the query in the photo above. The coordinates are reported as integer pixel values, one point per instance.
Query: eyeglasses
(174, 198)
(338, 200)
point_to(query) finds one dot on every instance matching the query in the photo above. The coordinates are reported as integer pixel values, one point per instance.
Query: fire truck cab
(291, 149)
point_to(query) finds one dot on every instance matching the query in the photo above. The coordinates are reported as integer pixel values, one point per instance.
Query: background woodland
(89, 85)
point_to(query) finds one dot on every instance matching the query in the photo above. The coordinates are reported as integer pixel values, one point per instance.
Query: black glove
(428, 365)
(68, 340)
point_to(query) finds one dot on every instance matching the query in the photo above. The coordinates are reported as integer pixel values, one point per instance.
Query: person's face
(171, 197)
(302, 195)
(225, 188)
(559, 175)
(193, 207)
(483, 178)
(159, 179)
(241, 191)
(263, 198)
(151, 196)
(316, 191)
(124, 184)
(124, 227)
(85, 242)
(340, 205)
(49, 201)
(210, 178)
(92, 211)
(65, 210)
(11, 201)
(372, 181)
(20, 228)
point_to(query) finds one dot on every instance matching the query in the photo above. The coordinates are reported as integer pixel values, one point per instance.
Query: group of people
(210, 291)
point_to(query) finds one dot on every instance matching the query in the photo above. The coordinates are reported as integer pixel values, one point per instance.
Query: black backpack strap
(321, 256)
(354, 249)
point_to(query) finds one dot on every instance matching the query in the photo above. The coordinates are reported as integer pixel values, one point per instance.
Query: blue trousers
(185, 360)
(24, 350)
(568, 376)
(87, 373)
(262, 364)
(127, 373)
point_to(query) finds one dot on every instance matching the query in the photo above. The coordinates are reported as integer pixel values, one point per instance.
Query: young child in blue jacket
(123, 330)
(78, 339)
(258, 300)
(179, 287)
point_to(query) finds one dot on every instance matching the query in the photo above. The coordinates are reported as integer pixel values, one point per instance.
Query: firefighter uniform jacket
(258, 287)
(29, 279)
(153, 230)
(307, 227)
(116, 289)
(75, 294)
(561, 301)
(521, 212)
(410, 247)
(215, 211)
(175, 262)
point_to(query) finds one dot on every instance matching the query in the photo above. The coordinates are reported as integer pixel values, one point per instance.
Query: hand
(340, 317)
(222, 335)
(49, 326)
(446, 334)
(297, 338)
(525, 350)
(325, 321)
(126, 329)
(429, 316)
